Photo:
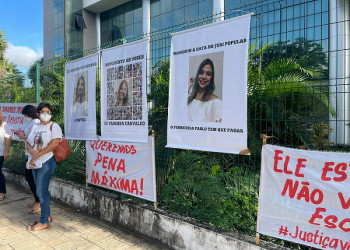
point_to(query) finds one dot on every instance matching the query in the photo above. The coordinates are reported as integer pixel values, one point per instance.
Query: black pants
(29, 177)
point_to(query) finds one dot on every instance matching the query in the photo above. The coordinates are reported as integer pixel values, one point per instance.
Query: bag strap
(51, 126)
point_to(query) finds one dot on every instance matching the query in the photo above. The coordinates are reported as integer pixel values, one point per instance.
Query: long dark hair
(82, 97)
(209, 90)
(126, 98)
(31, 111)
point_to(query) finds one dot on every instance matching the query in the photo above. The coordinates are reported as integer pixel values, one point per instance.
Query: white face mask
(28, 119)
(45, 117)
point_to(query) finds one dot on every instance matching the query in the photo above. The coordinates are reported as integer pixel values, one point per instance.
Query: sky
(22, 22)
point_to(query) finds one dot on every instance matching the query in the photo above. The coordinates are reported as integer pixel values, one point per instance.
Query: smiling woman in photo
(203, 104)
(80, 102)
(122, 95)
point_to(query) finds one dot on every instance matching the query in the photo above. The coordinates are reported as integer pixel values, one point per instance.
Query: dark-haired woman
(80, 102)
(122, 95)
(203, 105)
(31, 114)
(51, 136)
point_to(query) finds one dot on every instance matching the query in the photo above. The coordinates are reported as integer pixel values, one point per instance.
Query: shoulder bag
(62, 151)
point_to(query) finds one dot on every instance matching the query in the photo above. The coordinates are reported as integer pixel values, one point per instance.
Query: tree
(279, 92)
(10, 76)
(307, 53)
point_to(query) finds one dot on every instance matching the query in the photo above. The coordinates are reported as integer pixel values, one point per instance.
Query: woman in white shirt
(203, 105)
(51, 134)
(31, 114)
(5, 142)
(80, 102)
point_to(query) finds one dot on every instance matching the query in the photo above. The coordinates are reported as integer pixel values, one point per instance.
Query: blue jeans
(2, 177)
(42, 177)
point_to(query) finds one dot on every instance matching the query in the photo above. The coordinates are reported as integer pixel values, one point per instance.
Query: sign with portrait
(123, 93)
(15, 121)
(304, 197)
(80, 98)
(208, 87)
(124, 167)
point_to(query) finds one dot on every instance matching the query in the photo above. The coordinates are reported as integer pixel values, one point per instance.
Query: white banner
(123, 93)
(80, 99)
(304, 197)
(12, 115)
(124, 167)
(208, 87)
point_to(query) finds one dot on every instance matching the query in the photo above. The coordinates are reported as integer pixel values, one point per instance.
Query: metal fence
(297, 41)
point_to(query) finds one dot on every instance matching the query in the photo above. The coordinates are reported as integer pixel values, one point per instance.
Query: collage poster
(123, 93)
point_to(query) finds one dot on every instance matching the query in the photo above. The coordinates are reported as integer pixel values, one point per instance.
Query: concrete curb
(154, 224)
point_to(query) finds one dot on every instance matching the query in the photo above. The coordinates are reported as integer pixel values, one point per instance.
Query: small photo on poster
(80, 97)
(120, 72)
(128, 71)
(137, 69)
(204, 103)
(122, 94)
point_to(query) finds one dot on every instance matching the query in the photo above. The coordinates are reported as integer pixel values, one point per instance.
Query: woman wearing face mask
(203, 105)
(31, 114)
(51, 136)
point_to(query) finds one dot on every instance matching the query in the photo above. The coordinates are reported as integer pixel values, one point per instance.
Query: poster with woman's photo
(208, 87)
(123, 93)
(80, 98)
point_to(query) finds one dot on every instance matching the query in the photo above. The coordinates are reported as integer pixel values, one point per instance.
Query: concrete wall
(156, 224)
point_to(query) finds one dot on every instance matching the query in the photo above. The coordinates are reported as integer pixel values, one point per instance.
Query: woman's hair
(44, 105)
(80, 98)
(209, 90)
(40, 141)
(31, 111)
(126, 98)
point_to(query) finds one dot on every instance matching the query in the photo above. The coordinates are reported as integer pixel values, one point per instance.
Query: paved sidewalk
(70, 229)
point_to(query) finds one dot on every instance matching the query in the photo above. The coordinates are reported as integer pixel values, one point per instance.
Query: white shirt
(80, 109)
(28, 128)
(46, 135)
(209, 111)
(4, 133)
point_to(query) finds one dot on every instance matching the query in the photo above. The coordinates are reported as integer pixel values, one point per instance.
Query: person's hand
(32, 162)
(6, 155)
(190, 83)
(21, 136)
(31, 151)
(36, 154)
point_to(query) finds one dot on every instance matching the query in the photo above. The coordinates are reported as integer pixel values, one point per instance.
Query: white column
(219, 10)
(98, 30)
(146, 14)
(146, 17)
(339, 70)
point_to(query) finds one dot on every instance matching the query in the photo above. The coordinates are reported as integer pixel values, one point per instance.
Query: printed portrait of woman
(204, 104)
(122, 95)
(38, 142)
(80, 96)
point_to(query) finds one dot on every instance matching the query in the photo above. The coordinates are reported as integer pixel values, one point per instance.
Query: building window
(121, 22)
(79, 21)
(58, 27)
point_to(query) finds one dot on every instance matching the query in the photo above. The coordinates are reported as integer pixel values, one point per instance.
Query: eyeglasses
(45, 112)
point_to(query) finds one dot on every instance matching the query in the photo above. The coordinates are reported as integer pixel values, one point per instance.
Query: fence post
(37, 84)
